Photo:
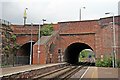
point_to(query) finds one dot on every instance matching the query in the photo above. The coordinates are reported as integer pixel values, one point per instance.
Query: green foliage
(106, 62)
(46, 30)
(15, 48)
(118, 63)
(10, 45)
(98, 63)
(84, 54)
(13, 37)
(6, 49)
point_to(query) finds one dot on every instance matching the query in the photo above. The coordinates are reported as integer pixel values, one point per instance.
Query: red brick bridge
(68, 40)
(74, 36)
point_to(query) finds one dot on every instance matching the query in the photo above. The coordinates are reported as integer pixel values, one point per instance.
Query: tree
(46, 30)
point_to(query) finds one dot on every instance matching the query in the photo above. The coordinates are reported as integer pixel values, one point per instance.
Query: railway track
(63, 73)
(67, 75)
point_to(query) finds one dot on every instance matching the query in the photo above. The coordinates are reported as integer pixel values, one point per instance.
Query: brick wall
(95, 33)
(25, 39)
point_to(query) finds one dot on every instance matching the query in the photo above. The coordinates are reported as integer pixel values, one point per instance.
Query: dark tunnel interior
(23, 55)
(26, 49)
(72, 52)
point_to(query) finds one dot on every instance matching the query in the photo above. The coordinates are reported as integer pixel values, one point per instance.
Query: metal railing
(22, 60)
(5, 22)
(7, 61)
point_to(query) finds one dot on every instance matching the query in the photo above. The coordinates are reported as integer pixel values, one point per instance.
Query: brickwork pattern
(95, 33)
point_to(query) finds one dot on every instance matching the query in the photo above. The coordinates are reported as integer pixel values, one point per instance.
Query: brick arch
(72, 52)
(25, 49)
(23, 54)
(25, 39)
(65, 41)
(82, 43)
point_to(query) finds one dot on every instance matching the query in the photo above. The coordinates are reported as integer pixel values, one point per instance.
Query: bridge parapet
(20, 29)
(4, 22)
(108, 21)
(5, 26)
(78, 27)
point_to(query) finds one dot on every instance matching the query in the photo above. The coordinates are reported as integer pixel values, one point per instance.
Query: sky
(55, 10)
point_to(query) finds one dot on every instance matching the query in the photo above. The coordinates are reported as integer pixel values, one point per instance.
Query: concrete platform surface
(101, 72)
(19, 69)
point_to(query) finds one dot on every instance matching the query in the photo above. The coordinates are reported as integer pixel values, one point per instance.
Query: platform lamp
(43, 21)
(31, 45)
(80, 14)
(114, 41)
(39, 44)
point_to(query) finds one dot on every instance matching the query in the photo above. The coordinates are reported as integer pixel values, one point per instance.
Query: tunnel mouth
(73, 50)
(23, 54)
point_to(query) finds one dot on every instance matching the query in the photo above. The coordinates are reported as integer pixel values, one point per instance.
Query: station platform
(20, 69)
(102, 73)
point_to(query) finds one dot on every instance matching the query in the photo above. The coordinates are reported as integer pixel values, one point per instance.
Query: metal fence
(22, 60)
(7, 61)
(5, 22)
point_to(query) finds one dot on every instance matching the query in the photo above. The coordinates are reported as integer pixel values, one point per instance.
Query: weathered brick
(95, 33)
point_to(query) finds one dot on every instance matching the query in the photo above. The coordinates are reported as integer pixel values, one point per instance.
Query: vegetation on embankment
(106, 62)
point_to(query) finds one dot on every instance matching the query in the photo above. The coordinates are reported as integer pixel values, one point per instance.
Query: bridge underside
(72, 52)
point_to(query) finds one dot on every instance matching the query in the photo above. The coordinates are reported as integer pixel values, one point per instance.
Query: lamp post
(31, 46)
(39, 41)
(114, 41)
(80, 14)
(43, 21)
(39, 45)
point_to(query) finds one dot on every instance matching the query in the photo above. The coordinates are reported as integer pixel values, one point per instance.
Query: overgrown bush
(106, 62)
(118, 63)
(98, 63)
